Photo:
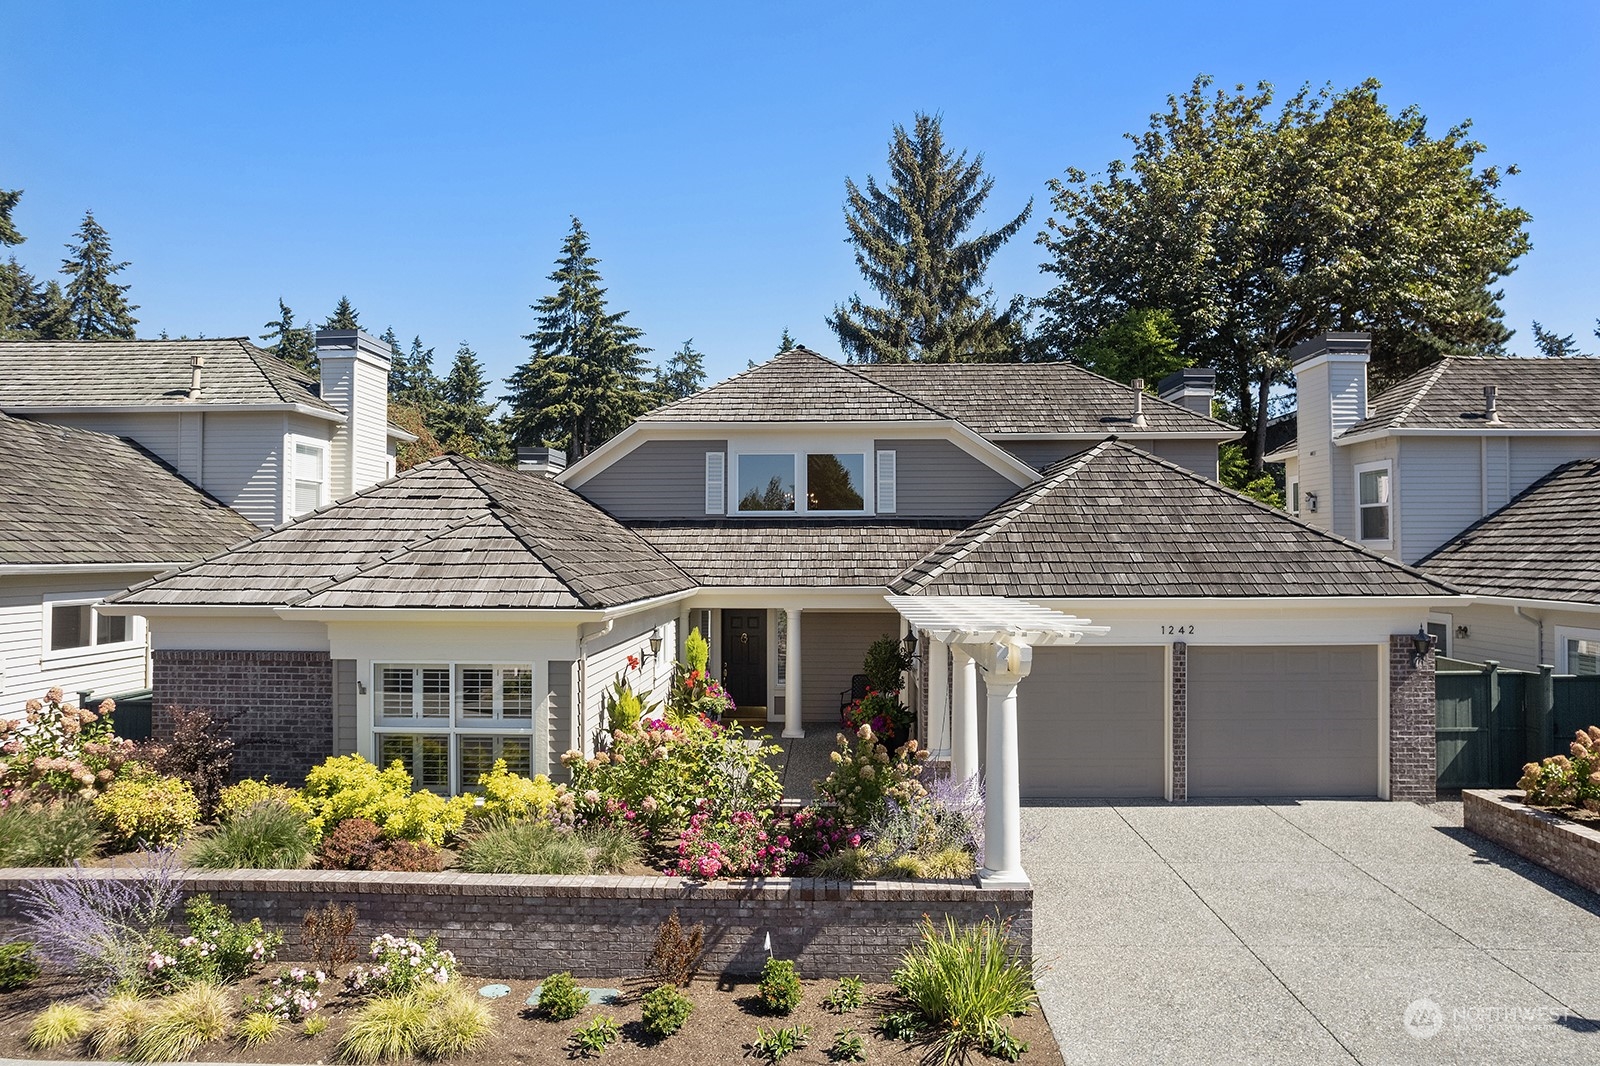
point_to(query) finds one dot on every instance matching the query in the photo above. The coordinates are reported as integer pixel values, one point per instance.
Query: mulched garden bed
(718, 1031)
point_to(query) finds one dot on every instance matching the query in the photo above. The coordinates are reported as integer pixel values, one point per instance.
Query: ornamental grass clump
(965, 982)
(118, 1023)
(182, 1023)
(1571, 780)
(58, 1025)
(269, 835)
(539, 847)
(257, 1028)
(54, 833)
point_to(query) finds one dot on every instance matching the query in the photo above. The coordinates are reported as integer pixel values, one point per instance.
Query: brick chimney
(355, 382)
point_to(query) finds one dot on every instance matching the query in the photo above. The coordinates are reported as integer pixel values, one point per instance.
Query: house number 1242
(1178, 630)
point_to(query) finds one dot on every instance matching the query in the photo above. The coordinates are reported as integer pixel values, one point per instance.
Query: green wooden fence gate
(1489, 722)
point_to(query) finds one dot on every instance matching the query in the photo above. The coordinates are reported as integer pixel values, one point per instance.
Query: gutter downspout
(1539, 624)
(581, 700)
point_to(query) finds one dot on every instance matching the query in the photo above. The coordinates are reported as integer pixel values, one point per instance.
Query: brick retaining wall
(278, 704)
(529, 927)
(1563, 847)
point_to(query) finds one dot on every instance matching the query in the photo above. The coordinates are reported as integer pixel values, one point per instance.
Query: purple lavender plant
(103, 926)
(961, 807)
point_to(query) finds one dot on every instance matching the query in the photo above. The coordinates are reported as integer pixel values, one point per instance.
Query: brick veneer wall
(1180, 721)
(279, 704)
(1413, 745)
(524, 927)
(1563, 847)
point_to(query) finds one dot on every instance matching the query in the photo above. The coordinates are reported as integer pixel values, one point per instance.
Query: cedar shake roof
(797, 386)
(75, 497)
(451, 532)
(822, 553)
(1537, 393)
(1116, 521)
(1543, 545)
(148, 374)
(1035, 398)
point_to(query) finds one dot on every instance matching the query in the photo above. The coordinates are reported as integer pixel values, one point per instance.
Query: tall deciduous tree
(344, 316)
(911, 247)
(1259, 227)
(1140, 344)
(584, 381)
(290, 342)
(98, 306)
(684, 374)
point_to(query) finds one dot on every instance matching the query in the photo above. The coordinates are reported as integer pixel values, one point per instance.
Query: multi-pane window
(475, 713)
(1374, 497)
(79, 625)
(310, 475)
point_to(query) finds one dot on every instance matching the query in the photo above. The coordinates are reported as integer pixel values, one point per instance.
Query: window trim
(1447, 645)
(1387, 466)
(800, 453)
(134, 637)
(1291, 495)
(1566, 633)
(453, 726)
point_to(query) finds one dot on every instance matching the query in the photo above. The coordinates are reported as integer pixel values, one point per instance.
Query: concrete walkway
(1305, 932)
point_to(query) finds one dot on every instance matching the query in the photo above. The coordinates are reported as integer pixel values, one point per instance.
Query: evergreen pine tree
(344, 317)
(684, 374)
(13, 294)
(289, 342)
(411, 379)
(584, 381)
(1552, 344)
(465, 422)
(98, 306)
(909, 247)
(786, 342)
(8, 230)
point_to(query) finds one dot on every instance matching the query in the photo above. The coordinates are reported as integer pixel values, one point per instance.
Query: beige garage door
(1283, 721)
(1091, 723)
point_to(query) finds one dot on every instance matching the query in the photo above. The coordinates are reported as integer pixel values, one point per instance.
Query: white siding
(338, 382)
(1495, 632)
(1346, 459)
(1494, 455)
(244, 462)
(159, 431)
(1439, 491)
(369, 426)
(27, 671)
(608, 656)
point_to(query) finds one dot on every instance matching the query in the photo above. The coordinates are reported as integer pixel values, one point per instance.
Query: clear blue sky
(424, 159)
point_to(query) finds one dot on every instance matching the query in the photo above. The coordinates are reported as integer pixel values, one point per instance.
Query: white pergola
(997, 634)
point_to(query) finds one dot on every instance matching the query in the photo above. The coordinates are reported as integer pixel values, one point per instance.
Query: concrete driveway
(1304, 932)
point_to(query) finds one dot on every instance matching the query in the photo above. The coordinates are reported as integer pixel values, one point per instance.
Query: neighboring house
(84, 516)
(794, 513)
(1408, 471)
(242, 424)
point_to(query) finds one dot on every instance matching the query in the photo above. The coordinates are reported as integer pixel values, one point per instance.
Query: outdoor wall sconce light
(361, 687)
(1422, 643)
(1311, 502)
(909, 644)
(1462, 632)
(655, 648)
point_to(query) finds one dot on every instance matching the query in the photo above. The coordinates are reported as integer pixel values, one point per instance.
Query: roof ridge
(393, 554)
(1047, 483)
(850, 368)
(1518, 498)
(807, 353)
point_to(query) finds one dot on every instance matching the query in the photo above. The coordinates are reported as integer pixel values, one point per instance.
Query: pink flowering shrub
(657, 776)
(294, 995)
(217, 950)
(1571, 780)
(739, 844)
(401, 965)
(817, 832)
(58, 750)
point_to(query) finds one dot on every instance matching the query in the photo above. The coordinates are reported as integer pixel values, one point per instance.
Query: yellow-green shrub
(510, 795)
(348, 786)
(247, 794)
(147, 808)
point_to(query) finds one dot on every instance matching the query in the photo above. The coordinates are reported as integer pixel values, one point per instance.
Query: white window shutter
(716, 492)
(886, 486)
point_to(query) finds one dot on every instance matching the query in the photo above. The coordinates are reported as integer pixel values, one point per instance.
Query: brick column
(1180, 721)
(1413, 744)
(279, 704)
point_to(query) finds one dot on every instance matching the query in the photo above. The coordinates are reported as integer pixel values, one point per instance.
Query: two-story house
(464, 612)
(129, 458)
(1462, 469)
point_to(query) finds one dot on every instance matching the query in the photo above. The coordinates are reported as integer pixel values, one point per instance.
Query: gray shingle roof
(806, 553)
(1530, 394)
(1035, 398)
(452, 532)
(147, 373)
(797, 386)
(1116, 521)
(73, 497)
(1543, 545)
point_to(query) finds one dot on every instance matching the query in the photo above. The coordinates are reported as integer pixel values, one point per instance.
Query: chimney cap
(1354, 343)
(328, 342)
(1201, 378)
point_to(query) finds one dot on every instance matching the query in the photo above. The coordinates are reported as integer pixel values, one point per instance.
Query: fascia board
(324, 413)
(91, 568)
(1460, 431)
(1577, 606)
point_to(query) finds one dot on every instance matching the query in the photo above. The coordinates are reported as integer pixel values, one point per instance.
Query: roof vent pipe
(196, 364)
(1491, 407)
(1138, 402)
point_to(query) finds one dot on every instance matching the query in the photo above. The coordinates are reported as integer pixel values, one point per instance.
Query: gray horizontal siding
(936, 479)
(658, 479)
(832, 647)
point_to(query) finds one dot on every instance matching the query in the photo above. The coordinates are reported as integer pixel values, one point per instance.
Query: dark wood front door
(744, 657)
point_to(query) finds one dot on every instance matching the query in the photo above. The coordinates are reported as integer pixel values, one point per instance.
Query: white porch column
(791, 687)
(1004, 668)
(937, 655)
(964, 716)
